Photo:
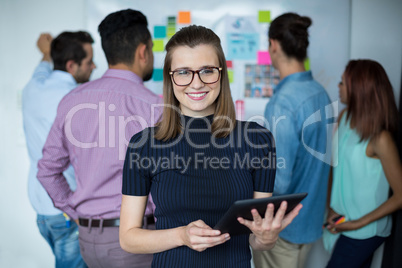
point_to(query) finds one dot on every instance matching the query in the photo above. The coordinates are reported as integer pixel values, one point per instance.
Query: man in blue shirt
(71, 53)
(297, 116)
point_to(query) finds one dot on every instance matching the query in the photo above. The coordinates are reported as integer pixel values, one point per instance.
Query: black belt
(149, 220)
(97, 223)
(111, 222)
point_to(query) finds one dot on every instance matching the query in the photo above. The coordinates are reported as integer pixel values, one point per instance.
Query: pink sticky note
(229, 64)
(263, 58)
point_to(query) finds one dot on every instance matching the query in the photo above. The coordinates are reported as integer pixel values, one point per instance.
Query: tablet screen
(242, 208)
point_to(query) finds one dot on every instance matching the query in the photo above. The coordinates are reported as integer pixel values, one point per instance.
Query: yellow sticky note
(184, 17)
(264, 16)
(158, 45)
(171, 30)
(307, 64)
(231, 76)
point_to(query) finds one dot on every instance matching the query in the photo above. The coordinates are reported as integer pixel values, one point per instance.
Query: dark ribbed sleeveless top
(198, 176)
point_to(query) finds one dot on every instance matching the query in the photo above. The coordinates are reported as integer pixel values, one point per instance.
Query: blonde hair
(225, 116)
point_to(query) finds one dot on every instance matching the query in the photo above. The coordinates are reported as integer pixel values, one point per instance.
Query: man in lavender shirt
(93, 126)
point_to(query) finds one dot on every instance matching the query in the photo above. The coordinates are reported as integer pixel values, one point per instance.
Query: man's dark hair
(121, 32)
(69, 46)
(290, 29)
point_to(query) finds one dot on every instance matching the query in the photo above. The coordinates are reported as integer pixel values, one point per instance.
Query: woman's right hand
(199, 236)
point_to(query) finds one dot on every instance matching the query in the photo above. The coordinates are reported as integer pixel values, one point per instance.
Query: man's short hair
(69, 46)
(121, 32)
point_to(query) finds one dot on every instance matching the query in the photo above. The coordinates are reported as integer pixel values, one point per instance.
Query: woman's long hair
(371, 104)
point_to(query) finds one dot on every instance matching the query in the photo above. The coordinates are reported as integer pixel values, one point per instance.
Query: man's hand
(43, 44)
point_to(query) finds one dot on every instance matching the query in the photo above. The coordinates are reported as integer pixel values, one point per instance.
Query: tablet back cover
(242, 208)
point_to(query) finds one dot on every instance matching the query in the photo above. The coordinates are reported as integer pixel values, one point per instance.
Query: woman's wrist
(362, 222)
(180, 233)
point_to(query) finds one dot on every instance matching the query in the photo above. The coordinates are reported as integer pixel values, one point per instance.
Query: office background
(373, 31)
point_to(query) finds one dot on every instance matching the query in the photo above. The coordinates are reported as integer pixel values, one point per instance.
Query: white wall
(375, 33)
(21, 23)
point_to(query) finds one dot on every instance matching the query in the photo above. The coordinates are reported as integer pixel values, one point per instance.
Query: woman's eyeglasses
(207, 75)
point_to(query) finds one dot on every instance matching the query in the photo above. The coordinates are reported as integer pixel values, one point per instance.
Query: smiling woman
(196, 96)
(196, 163)
(208, 55)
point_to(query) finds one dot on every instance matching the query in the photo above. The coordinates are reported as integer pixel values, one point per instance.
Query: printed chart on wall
(242, 27)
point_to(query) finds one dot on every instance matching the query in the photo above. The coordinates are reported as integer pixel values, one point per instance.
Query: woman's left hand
(345, 226)
(267, 229)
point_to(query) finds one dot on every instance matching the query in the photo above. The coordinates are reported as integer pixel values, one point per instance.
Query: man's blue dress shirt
(40, 99)
(297, 115)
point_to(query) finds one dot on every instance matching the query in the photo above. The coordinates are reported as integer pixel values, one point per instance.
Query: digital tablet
(242, 208)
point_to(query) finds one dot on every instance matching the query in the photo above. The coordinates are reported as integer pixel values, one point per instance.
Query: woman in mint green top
(366, 164)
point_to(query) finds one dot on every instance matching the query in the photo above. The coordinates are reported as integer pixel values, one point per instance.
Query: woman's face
(196, 99)
(343, 94)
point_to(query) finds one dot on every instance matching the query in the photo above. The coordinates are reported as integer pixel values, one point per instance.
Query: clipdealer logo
(328, 114)
(200, 161)
(331, 112)
(108, 138)
(103, 141)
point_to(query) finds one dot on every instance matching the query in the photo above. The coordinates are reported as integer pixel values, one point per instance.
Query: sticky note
(158, 45)
(159, 31)
(171, 20)
(171, 30)
(184, 17)
(157, 75)
(263, 58)
(264, 16)
(231, 76)
(229, 64)
(307, 64)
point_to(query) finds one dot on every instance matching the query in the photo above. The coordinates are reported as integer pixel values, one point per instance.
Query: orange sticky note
(184, 17)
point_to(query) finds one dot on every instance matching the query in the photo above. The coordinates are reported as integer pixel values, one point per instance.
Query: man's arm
(54, 162)
(44, 69)
(43, 43)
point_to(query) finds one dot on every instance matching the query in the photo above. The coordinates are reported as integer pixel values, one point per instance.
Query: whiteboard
(328, 51)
